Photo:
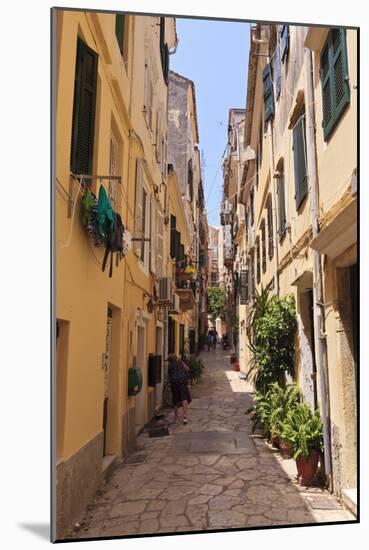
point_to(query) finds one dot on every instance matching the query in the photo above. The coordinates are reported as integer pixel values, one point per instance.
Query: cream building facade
(298, 185)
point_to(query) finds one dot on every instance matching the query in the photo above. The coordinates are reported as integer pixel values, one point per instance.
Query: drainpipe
(274, 204)
(320, 343)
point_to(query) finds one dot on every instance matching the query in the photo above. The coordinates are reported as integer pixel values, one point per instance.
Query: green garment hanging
(105, 214)
(89, 203)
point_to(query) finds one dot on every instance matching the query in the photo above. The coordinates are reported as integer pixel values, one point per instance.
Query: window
(143, 230)
(281, 207)
(285, 38)
(335, 80)
(277, 73)
(268, 93)
(244, 286)
(160, 244)
(119, 30)
(142, 217)
(171, 335)
(299, 158)
(214, 278)
(181, 340)
(263, 246)
(252, 206)
(270, 229)
(257, 246)
(84, 107)
(190, 179)
(252, 275)
(158, 146)
(172, 236)
(164, 51)
(153, 234)
(113, 169)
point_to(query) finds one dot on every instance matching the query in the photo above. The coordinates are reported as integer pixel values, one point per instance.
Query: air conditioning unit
(174, 306)
(165, 290)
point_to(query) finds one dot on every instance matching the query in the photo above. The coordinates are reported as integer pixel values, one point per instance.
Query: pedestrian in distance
(178, 373)
(215, 339)
(209, 340)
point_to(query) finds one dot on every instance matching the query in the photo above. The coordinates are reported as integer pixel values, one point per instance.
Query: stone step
(108, 465)
(349, 500)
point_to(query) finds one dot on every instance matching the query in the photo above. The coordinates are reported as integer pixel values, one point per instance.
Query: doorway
(140, 363)
(159, 351)
(62, 340)
(107, 359)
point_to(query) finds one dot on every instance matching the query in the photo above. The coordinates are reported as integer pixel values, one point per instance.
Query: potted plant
(304, 431)
(191, 271)
(181, 274)
(284, 401)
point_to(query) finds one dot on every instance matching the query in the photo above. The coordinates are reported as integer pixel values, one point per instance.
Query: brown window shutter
(84, 108)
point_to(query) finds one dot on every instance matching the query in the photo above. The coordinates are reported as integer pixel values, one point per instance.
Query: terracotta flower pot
(307, 467)
(275, 441)
(236, 366)
(286, 448)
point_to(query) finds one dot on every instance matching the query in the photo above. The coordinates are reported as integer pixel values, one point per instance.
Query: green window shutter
(177, 241)
(172, 236)
(84, 108)
(282, 208)
(299, 156)
(334, 80)
(257, 246)
(181, 252)
(270, 230)
(284, 41)
(263, 246)
(277, 73)
(268, 93)
(119, 30)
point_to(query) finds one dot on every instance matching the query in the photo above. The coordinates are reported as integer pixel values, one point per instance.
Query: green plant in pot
(303, 429)
(264, 412)
(286, 400)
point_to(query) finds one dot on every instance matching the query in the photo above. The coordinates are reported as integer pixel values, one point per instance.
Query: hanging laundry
(89, 218)
(114, 242)
(105, 214)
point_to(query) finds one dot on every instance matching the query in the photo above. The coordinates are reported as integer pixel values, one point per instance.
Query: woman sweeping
(178, 376)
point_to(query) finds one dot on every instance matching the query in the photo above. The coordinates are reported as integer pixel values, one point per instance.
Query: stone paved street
(211, 474)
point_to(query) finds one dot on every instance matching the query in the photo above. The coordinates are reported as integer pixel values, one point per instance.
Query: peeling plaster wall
(178, 129)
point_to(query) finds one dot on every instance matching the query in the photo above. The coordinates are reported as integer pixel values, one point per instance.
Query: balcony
(186, 290)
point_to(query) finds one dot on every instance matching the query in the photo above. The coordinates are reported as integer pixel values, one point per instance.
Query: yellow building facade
(111, 122)
(298, 185)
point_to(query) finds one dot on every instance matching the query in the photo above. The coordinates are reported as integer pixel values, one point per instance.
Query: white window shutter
(160, 244)
(138, 208)
(153, 251)
(147, 233)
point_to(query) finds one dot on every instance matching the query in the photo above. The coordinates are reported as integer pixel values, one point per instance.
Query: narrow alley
(210, 474)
